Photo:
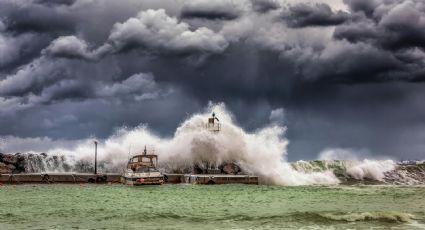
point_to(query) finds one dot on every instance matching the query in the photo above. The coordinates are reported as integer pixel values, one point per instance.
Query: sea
(186, 206)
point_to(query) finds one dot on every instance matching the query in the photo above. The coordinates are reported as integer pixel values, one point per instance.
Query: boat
(142, 170)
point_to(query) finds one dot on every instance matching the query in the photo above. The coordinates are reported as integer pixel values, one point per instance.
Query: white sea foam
(357, 168)
(371, 169)
(371, 216)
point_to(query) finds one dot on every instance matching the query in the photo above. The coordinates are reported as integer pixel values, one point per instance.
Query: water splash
(371, 169)
(262, 152)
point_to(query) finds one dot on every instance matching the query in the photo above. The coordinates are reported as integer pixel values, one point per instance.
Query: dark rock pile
(230, 168)
(12, 163)
(407, 174)
(32, 163)
(42, 162)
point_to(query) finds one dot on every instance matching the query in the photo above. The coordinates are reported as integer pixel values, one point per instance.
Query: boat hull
(134, 181)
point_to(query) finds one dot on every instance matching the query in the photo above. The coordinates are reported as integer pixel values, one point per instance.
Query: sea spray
(356, 169)
(357, 163)
(262, 152)
(371, 169)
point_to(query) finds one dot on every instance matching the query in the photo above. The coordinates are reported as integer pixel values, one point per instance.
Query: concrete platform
(115, 178)
(211, 179)
(59, 178)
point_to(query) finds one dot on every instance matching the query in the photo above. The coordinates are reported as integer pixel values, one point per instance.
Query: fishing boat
(142, 170)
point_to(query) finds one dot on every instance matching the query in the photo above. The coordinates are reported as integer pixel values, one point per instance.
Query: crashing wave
(368, 171)
(262, 152)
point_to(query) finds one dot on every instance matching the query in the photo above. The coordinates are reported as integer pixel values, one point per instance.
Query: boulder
(10, 159)
(11, 167)
(231, 168)
(20, 162)
(4, 168)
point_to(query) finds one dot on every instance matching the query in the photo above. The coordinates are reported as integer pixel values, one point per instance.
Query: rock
(198, 169)
(20, 164)
(4, 168)
(10, 159)
(231, 168)
(20, 157)
(11, 167)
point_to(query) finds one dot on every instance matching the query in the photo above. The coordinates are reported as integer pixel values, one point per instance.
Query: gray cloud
(392, 25)
(32, 77)
(220, 9)
(302, 15)
(263, 6)
(11, 47)
(24, 16)
(151, 30)
(155, 29)
(364, 6)
(55, 3)
(88, 67)
(69, 47)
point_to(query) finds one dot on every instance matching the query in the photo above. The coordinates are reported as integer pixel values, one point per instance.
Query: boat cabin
(144, 162)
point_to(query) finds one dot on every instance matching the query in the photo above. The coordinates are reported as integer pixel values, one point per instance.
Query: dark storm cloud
(32, 78)
(23, 16)
(221, 9)
(392, 25)
(332, 75)
(263, 6)
(142, 32)
(55, 3)
(364, 6)
(302, 15)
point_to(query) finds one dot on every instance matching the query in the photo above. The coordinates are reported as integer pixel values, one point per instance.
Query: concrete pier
(26, 178)
(59, 178)
(210, 179)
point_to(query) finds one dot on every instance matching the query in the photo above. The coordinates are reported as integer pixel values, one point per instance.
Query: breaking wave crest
(373, 171)
(366, 169)
(342, 217)
(390, 217)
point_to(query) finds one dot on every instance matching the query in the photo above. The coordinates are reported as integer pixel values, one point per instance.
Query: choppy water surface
(211, 207)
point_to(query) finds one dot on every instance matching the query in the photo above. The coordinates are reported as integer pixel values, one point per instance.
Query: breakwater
(347, 172)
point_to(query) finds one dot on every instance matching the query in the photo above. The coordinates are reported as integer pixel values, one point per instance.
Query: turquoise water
(211, 207)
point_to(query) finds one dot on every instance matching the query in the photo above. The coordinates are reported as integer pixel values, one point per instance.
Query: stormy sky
(339, 73)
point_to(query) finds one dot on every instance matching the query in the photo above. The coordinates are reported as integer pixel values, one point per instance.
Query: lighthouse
(213, 124)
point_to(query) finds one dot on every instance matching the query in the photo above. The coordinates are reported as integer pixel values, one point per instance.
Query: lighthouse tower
(213, 124)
